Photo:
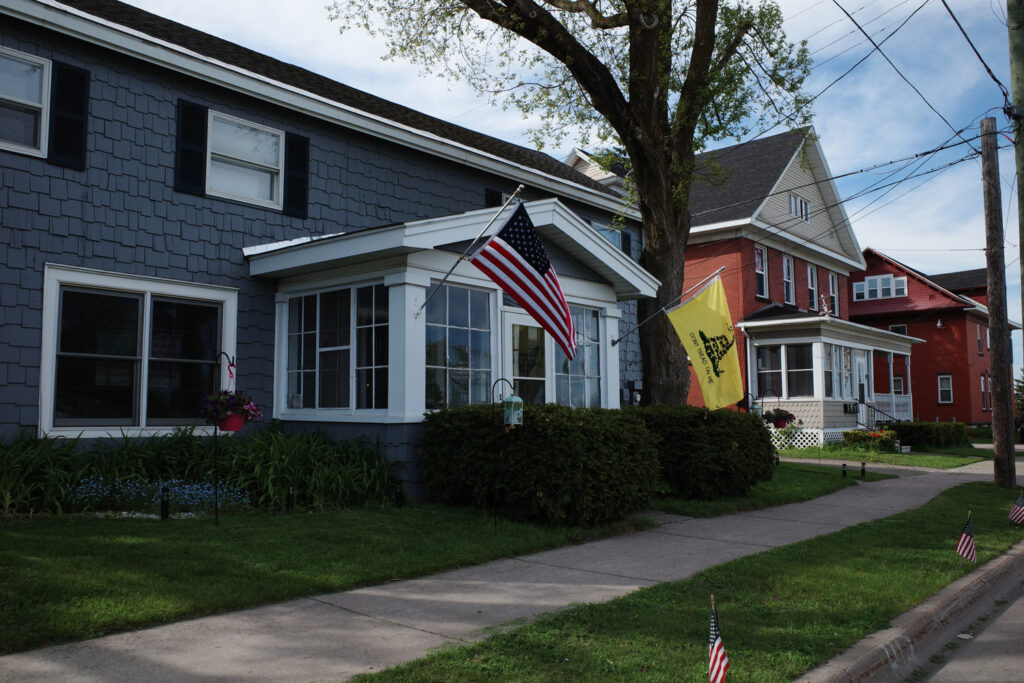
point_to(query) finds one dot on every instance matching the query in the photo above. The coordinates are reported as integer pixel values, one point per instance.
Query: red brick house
(951, 372)
(768, 212)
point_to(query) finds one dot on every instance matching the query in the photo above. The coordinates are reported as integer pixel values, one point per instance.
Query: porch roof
(555, 223)
(828, 326)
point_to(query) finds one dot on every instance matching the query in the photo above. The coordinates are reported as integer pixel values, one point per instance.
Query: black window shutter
(492, 197)
(190, 155)
(626, 243)
(296, 175)
(69, 116)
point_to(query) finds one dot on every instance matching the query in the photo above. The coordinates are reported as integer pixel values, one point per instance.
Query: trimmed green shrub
(980, 432)
(563, 465)
(881, 441)
(706, 454)
(938, 434)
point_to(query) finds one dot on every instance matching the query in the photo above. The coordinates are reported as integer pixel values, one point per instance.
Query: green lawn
(75, 577)
(781, 612)
(963, 456)
(792, 483)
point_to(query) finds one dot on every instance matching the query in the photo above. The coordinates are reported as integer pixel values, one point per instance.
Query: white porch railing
(900, 406)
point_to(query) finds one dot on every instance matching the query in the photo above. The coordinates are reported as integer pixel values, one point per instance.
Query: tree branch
(597, 20)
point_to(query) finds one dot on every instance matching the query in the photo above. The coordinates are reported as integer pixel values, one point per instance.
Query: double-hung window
(761, 272)
(799, 207)
(788, 290)
(799, 370)
(458, 340)
(24, 99)
(812, 287)
(769, 371)
(984, 402)
(945, 388)
(130, 352)
(981, 349)
(578, 381)
(338, 349)
(833, 294)
(245, 160)
(879, 287)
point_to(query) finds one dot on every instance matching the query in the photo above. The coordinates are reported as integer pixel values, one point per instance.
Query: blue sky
(933, 223)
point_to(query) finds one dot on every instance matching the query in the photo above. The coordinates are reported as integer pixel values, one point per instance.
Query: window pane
(480, 350)
(176, 391)
(562, 390)
(19, 125)
(799, 357)
(480, 386)
(95, 391)
(436, 382)
(242, 181)
(458, 348)
(364, 306)
(185, 330)
(437, 345)
(380, 389)
(295, 314)
(106, 324)
(479, 310)
(309, 313)
(21, 79)
(364, 346)
(334, 374)
(335, 318)
(364, 388)
(437, 307)
(458, 388)
(458, 307)
(527, 351)
(245, 142)
(380, 301)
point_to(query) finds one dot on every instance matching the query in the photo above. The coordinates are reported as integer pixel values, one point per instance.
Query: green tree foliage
(657, 79)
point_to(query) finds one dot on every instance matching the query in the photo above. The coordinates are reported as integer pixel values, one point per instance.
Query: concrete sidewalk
(332, 637)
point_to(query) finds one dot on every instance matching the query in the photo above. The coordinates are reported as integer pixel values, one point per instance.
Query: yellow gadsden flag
(705, 328)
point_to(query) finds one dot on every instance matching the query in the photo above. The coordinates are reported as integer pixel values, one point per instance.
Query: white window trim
(788, 278)
(812, 286)
(350, 413)
(833, 293)
(278, 201)
(939, 386)
(862, 289)
(57, 276)
(44, 106)
(799, 207)
(764, 272)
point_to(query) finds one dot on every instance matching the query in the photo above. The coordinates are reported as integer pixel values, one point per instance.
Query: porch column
(609, 356)
(891, 388)
(407, 352)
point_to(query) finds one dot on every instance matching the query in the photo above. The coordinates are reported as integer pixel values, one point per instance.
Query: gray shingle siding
(122, 213)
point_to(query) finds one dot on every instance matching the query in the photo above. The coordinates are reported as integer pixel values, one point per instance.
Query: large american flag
(515, 259)
(965, 547)
(718, 662)
(1017, 511)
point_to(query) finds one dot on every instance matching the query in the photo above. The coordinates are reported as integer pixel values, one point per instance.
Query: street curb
(894, 653)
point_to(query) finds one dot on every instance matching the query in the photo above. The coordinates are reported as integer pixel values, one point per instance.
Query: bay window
(458, 340)
(578, 381)
(799, 370)
(338, 349)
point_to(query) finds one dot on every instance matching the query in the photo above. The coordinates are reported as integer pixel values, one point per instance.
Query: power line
(1002, 88)
(907, 80)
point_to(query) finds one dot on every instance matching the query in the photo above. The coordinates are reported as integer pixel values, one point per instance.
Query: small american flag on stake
(965, 547)
(718, 661)
(516, 261)
(1017, 511)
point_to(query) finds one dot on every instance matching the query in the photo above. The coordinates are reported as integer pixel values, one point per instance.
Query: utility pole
(999, 328)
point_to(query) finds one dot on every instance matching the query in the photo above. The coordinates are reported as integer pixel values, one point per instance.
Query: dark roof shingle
(962, 280)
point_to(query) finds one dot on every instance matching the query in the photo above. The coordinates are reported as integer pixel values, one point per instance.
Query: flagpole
(451, 270)
(663, 308)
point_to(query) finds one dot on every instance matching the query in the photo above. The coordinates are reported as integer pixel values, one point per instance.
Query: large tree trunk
(665, 365)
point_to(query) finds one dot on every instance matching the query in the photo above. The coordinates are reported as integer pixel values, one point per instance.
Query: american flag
(718, 661)
(1017, 511)
(515, 259)
(965, 547)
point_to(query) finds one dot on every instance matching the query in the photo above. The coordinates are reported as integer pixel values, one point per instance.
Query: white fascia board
(785, 241)
(121, 39)
(553, 220)
(779, 239)
(871, 335)
(739, 222)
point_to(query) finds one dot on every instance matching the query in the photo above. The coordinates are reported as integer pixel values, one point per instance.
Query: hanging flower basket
(778, 417)
(232, 423)
(229, 410)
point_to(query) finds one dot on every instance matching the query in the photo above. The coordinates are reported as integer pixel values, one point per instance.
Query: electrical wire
(1002, 88)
